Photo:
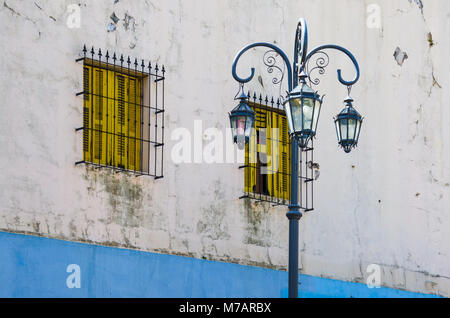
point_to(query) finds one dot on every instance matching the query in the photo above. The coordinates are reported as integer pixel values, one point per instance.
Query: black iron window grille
(123, 113)
(267, 169)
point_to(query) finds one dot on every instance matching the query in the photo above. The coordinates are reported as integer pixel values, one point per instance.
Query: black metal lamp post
(302, 106)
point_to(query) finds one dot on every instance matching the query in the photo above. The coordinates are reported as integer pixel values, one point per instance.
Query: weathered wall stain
(213, 222)
(257, 214)
(125, 195)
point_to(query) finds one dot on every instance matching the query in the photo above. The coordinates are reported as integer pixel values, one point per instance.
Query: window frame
(142, 106)
(272, 187)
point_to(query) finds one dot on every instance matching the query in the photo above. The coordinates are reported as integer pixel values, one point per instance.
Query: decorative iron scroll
(321, 62)
(270, 60)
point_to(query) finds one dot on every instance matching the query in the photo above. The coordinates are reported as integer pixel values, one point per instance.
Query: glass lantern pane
(233, 126)
(308, 108)
(296, 113)
(316, 115)
(241, 125)
(338, 130)
(351, 128)
(343, 125)
(248, 128)
(358, 128)
(233, 122)
(287, 109)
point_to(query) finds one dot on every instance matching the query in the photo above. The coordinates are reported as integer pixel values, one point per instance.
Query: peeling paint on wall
(256, 216)
(400, 56)
(213, 223)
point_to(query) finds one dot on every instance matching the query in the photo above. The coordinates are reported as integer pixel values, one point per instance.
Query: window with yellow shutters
(123, 114)
(267, 155)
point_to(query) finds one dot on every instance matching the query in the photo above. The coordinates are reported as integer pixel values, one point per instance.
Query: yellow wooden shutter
(110, 109)
(111, 118)
(128, 122)
(94, 136)
(272, 152)
(120, 122)
(133, 120)
(251, 152)
(279, 174)
(251, 157)
(263, 154)
(256, 178)
(277, 148)
(280, 155)
(285, 159)
(99, 113)
(86, 113)
(269, 161)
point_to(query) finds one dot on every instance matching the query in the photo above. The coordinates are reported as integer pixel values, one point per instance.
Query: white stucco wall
(384, 203)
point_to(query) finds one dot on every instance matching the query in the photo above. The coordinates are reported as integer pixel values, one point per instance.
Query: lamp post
(302, 107)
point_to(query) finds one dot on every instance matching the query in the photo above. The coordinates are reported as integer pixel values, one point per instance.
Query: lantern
(348, 125)
(302, 111)
(242, 119)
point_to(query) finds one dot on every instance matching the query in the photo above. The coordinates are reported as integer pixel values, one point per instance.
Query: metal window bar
(306, 177)
(129, 102)
(273, 187)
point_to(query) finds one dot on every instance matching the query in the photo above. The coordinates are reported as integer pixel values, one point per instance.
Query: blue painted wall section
(36, 267)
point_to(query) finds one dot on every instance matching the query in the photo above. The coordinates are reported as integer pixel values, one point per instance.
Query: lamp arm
(321, 63)
(263, 44)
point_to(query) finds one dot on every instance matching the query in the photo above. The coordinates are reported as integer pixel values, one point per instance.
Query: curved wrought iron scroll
(323, 61)
(269, 62)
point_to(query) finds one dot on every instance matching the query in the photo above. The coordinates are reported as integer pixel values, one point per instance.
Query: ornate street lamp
(348, 125)
(242, 120)
(302, 107)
